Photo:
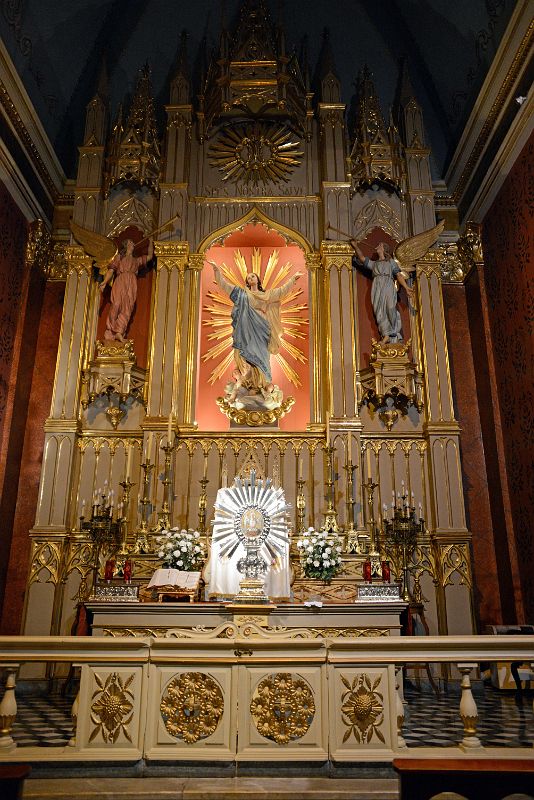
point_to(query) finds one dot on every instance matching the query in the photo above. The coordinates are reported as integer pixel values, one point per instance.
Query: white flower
(183, 548)
(305, 542)
(176, 553)
(316, 564)
(300, 544)
(161, 554)
(180, 563)
(196, 535)
(326, 563)
(309, 549)
(197, 549)
(308, 561)
(338, 549)
(189, 535)
(328, 550)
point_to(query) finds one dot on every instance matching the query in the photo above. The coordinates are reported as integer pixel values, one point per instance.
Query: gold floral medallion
(283, 707)
(362, 709)
(111, 709)
(192, 706)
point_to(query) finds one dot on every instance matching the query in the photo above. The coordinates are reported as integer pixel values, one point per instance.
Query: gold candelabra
(330, 516)
(202, 505)
(164, 516)
(351, 533)
(401, 533)
(374, 555)
(122, 519)
(141, 541)
(301, 506)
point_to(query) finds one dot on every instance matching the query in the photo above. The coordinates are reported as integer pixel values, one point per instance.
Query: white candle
(169, 429)
(128, 462)
(300, 469)
(224, 477)
(349, 448)
(328, 427)
(83, 508)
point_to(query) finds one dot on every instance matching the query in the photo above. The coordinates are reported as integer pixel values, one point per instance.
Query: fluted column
(168, 330)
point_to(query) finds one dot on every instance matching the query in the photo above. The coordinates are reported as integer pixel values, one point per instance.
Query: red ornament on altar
(386, 572)
(127, 571)
(367, 571)
(109, 569)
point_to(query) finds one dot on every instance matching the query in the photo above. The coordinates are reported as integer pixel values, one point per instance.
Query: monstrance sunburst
(256, 153)
(294, 322)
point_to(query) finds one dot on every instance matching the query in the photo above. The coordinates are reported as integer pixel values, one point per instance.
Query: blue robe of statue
(252, 332)
(384, 296)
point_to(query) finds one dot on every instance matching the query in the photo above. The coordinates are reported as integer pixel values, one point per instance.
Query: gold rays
(256, 153)
(219, 322)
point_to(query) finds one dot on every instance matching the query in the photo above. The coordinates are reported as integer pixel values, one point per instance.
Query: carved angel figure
(388, 269)
(123, 266)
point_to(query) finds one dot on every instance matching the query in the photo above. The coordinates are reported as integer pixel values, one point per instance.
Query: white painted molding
(29, 118)
(517, 29)
(507, 155)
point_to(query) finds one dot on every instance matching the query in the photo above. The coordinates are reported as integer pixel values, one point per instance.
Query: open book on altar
(176, 578)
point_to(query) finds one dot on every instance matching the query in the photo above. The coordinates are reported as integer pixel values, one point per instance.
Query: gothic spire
(330, 85)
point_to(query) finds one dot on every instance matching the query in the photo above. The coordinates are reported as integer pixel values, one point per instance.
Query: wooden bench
(471, 778)
(12, 778)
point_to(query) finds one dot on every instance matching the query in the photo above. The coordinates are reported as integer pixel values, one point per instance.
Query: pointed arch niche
(279, 252)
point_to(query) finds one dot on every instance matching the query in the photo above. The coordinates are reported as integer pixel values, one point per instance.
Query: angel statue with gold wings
(388, 270)
(120, 265)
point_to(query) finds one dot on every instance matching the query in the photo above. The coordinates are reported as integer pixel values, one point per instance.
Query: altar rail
(244, 693)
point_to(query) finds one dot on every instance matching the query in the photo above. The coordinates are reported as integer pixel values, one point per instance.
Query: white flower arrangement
(320, 554)
(181, 549)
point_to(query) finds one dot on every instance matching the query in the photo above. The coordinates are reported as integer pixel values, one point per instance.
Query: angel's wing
(99, 247)
(409, 250)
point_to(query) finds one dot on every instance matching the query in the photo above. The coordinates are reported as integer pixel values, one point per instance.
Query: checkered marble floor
(43, 721)
(430, 721)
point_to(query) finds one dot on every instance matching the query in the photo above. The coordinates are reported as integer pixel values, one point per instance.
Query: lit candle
(349, 448)
(83, 508)
(328, 427)
(385, 508)
(169, 429)
(300, 469)
(205, 464)
(420, 511)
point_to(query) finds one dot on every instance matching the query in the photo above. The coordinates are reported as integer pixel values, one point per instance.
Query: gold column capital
(431, 263)
(196, 261)
(171, 254)
(313, 261)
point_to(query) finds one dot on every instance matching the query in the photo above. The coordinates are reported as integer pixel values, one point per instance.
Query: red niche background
(208, 415)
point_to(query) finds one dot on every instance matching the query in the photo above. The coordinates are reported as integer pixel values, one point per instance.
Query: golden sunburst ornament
(256, 153)
(220, 306)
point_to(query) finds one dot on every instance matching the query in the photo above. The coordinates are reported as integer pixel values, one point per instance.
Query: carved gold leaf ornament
(219, 309)
(112, 707)
(256, 153)
(282, 707)
(192, 706)
(362, 708)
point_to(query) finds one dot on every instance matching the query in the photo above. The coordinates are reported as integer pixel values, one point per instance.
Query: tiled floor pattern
(430, 721)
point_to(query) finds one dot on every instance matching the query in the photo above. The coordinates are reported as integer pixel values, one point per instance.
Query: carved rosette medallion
(112, 707)
(362, 709)
(283, 707)
(192, 706)
(256, 153)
